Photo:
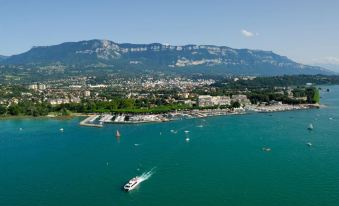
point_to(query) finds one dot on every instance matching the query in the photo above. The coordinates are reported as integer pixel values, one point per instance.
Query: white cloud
(248, 33)
(328, 60)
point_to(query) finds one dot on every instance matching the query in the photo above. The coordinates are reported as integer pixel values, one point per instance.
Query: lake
(223, 163)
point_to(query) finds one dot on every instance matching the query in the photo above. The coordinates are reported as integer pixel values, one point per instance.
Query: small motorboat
(187, 139)
(309, 144)
(186, 131)
(132, 184)
(266, 149)
(310, 127)
(61, 129)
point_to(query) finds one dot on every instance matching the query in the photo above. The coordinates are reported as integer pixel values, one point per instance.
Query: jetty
(89, 121)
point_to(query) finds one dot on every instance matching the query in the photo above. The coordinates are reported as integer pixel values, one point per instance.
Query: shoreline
(98, 120)
(49, 116)
(170, 116)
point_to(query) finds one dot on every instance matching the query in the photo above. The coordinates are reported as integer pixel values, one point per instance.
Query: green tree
(313, 95)
(235, 105)
(3, 110)
(14, 109)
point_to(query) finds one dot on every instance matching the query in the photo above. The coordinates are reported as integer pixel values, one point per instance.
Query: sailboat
(117, 134)
(310, 127)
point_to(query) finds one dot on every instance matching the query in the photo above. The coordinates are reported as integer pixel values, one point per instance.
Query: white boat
(310, 127)
(187, 139)
(186, 131)
(309, 144)
(61, 129)
(266, 149)
(117, 134)
(132, 184)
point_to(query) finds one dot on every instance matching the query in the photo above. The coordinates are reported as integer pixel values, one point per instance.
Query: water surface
(222, 164)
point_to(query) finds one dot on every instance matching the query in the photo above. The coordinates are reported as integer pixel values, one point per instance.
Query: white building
(241, 98)
(64, 100)
(58, 101)
(41, 86)
(221, 100)
(205, 101)
(87, 93)
(37, 86)
(208, 101)
(33, 86)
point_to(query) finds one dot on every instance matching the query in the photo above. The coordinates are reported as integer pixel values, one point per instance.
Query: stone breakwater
(280, 107)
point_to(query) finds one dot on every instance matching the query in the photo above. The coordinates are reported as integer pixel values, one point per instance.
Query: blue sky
(304, 30)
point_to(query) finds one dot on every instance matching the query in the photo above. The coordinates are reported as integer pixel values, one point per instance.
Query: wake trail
(146, 175)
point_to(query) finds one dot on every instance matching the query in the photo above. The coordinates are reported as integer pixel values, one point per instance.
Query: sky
(306, 31)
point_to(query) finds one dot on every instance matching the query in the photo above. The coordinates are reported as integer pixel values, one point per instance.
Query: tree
(313, 95)
(3, 110)
(14, 109)
(65, 112)
(235, 105)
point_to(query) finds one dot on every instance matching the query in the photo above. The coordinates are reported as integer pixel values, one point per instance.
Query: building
(188, 102)
(41, 86)
(221, 100)
(75, 100)
(33, 86)
(241, 98)
(208, 100)
(37, 86)
(184, 95)
(205, 101)
(58, 101)
(87, 93)
(64, 100)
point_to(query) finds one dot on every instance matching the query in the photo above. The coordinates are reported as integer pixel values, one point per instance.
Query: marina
(98, 120)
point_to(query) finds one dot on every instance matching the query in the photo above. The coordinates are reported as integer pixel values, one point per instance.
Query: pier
(88, 122)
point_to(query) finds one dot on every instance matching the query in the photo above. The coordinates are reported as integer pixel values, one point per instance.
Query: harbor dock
(89, 121)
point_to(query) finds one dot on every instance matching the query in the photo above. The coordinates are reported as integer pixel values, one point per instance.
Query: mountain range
(205, 59)
(2, 57)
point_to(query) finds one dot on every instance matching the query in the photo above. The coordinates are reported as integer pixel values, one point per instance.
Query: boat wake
(146, 175)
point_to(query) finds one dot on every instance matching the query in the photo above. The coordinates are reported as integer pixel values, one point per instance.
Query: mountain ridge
(2, 57)
(163, 57)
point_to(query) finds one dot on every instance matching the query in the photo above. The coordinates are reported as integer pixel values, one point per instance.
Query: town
(150, 99)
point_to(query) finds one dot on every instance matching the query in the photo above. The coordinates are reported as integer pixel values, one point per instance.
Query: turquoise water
(222, 164)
